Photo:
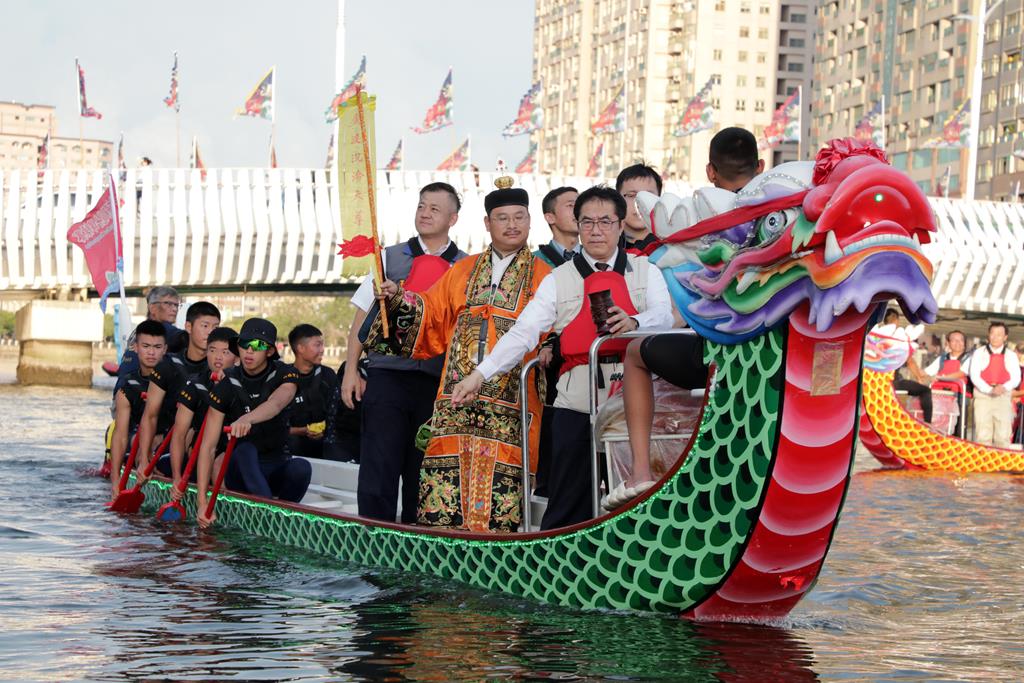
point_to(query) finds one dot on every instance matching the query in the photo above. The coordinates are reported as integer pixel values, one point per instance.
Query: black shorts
(676, 358)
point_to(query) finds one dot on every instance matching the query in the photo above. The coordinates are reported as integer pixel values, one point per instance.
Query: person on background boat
(315, 405)
(637, 238)
(732, 163)
(348, 425)
(398, 392)
(129, 404)
(470, 478)
(995, 373)
(919, 385)
(162, 304)
(192, 401)
(566, 302)
(253, 398)
(169, 377)
(949, 372)
(565, 238)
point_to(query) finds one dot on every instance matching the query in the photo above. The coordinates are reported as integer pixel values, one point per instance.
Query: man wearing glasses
(253, 398)
(631, 180)
(601, 285)
(163, 304)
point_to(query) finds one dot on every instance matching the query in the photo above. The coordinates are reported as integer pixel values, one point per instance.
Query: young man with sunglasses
(253, 399)
(569, 302)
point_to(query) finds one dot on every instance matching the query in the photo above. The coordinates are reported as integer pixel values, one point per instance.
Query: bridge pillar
(56, 339)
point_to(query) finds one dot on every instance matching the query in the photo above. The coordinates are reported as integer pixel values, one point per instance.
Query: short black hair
(152, 328)
(733, 153)
(547, 205)
(601, 193)
(890, 313)
(443, 187)
(200, 309)
(302, 332)
(952, 332)
(640, 170)
(999, 323)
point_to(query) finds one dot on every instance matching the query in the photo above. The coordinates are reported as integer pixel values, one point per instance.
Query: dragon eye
(774, 223)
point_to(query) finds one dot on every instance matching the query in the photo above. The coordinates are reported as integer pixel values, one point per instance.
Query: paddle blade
(171, 512)
(128, 501)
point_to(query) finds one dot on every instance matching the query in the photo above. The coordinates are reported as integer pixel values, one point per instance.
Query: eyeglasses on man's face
(602, 224)
(255, 345)
(169, 304)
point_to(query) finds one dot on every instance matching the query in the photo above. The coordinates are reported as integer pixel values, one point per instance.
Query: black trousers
(922, 392)
(395, 405)
(570, 493)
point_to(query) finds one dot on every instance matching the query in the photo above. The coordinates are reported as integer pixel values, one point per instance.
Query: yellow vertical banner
(354, 186)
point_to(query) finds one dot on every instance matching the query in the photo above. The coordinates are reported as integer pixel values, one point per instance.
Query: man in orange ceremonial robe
(472, 466)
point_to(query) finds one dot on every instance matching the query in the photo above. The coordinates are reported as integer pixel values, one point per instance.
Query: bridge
(277, 229)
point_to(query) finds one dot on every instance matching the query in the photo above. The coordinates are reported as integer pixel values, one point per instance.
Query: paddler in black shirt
(316, 400)
(194, 399)
(150, 345)
(169, 377)
(254, 398)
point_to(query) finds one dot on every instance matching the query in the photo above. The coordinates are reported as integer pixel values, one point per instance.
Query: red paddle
(132, 499)
(174, 511)
(220, 474)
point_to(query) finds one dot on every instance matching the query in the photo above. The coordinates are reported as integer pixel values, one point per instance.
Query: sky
(225, 46)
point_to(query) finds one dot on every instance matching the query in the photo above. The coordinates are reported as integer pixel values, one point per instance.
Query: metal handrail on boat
(594, 367)
(524, 426)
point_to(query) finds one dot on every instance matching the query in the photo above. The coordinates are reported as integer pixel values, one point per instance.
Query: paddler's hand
(468, 389)
(204, 521)
(619, 321)
(241, 427)
(546, 355)
(176, 494)
(352, 387)
(386, 290)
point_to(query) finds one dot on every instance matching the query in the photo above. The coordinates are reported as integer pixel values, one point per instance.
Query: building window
(716, 55)
(744, 31)
(741, 81)
(762, 33)
(744, 8)
(899, 161)
(742, 55)
(758, 105)
(795, 66)
(767, 9)
(762, 57)
(759, 81)
(741, 105)
(720, 6)
(922, 158)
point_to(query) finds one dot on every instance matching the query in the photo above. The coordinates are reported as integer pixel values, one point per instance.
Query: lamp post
(979, 19)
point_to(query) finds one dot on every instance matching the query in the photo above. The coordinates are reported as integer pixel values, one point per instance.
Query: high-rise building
(652, 57)
(915, 60)
(23, 127)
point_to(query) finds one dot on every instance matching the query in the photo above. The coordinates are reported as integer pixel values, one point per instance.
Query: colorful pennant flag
(595, 162)
(84, 110)
(955, 131)
(195, 160)
(260, 101)
(458, 160)
(358, 82)
(942, 187)
(357, 157)
(395, 164)
(529, 162)
(440, 113)
(530, 116)
(871, 128)
(613, 118)
(172, 97)
(98, 236)
(785, 125)
(43, 158)
(122, 167)
(699, 114)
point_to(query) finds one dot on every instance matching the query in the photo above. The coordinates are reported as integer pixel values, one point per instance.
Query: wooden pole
(372, 197)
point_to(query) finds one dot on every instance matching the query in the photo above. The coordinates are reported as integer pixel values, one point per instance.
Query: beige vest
(573, 391)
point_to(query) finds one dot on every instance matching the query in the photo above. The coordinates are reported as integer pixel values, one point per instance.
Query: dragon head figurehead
(842, 232)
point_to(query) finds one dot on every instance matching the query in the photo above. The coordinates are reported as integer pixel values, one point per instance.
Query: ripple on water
(922, 583)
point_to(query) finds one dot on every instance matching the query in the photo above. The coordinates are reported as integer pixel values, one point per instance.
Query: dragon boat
(900, 440)
(783, 280)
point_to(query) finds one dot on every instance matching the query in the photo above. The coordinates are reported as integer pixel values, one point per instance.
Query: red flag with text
(98, 236)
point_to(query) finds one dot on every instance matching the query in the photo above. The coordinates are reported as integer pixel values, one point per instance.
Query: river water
(925, 581)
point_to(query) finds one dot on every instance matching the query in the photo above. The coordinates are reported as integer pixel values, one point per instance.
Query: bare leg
(638, 397)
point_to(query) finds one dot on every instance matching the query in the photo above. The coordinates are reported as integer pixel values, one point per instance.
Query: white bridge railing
(279, 229)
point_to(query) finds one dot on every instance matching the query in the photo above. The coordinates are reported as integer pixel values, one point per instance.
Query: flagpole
(122, 312)
(885, 136)
(371, 197)
(81, 134)
(273, 105)
(800, 113)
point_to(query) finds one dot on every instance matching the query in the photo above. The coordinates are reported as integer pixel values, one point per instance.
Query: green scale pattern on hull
(666, 554)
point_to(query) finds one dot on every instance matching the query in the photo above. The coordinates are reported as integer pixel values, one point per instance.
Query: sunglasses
(254, 345)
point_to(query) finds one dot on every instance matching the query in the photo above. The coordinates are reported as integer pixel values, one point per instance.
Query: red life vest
(996, 372)
(578, 335)
(950, 366)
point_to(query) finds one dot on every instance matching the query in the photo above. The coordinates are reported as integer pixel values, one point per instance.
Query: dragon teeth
(748, 278)
(833, 252)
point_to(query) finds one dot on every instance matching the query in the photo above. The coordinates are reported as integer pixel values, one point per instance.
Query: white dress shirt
(363, 297)
(540, 314)
(499, 264)
(936, 365)
(979, 362)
